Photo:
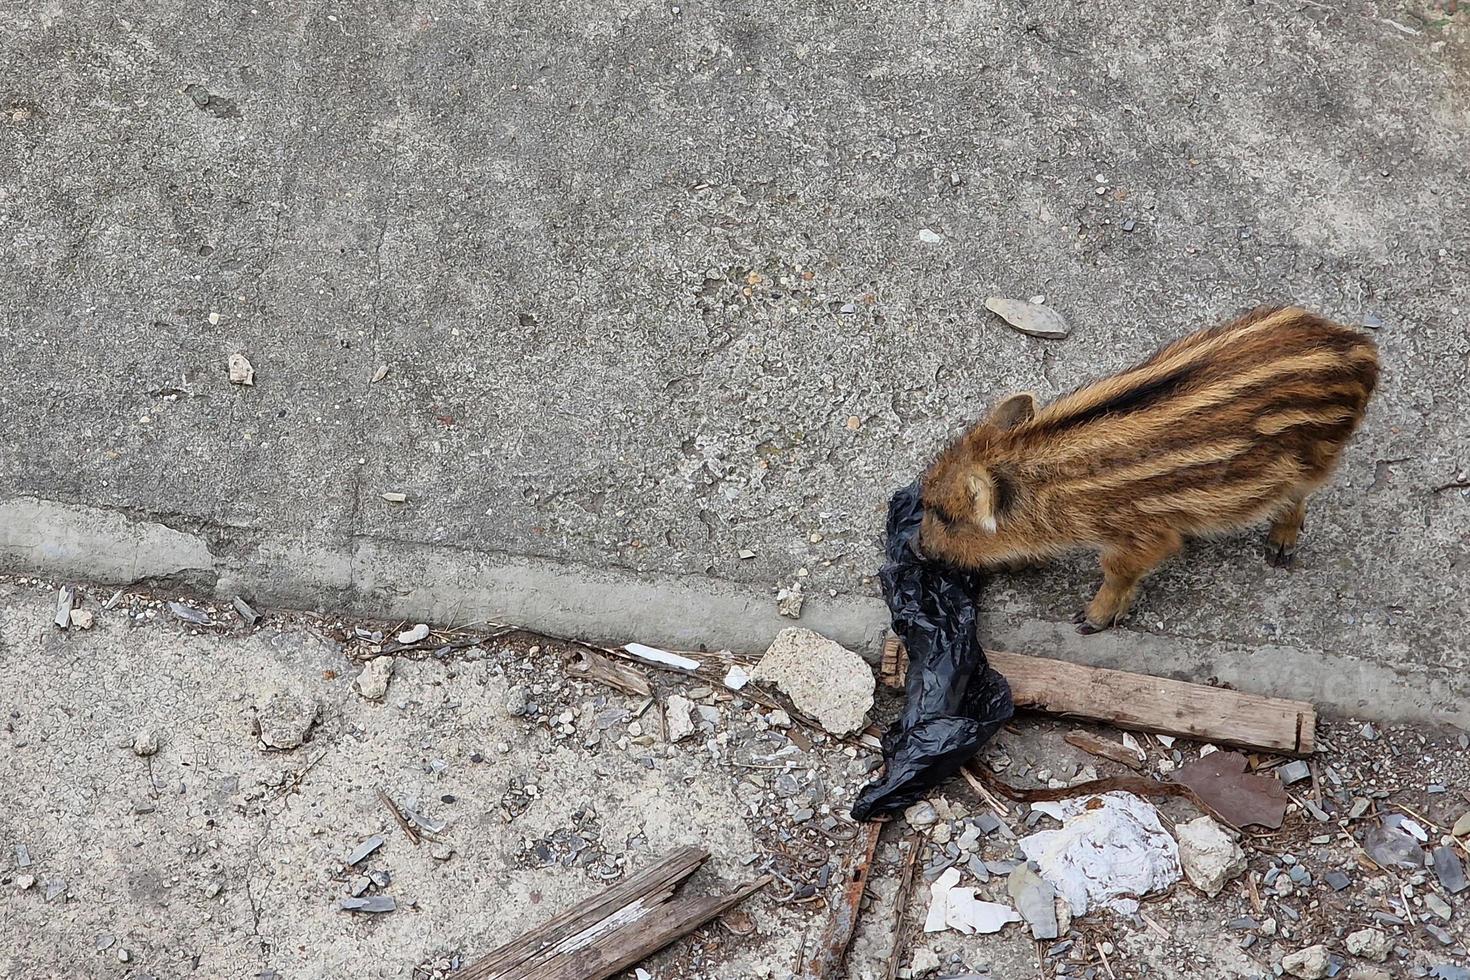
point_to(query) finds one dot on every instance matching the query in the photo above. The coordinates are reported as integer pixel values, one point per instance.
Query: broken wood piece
(893, 666)
(1155, 704)
(414, 837)
(613, 929)
(1104, 749)
(837, 936)
(593, 666)
(905, 889)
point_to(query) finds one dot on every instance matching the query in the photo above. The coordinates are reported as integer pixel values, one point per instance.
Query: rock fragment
(822, 678)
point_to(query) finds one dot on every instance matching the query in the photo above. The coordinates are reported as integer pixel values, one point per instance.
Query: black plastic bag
(956, 700)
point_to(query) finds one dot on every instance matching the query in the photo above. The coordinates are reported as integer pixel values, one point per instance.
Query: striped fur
(1216, 431)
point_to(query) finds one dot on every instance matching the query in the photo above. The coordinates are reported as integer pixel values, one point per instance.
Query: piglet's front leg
(1124, 563)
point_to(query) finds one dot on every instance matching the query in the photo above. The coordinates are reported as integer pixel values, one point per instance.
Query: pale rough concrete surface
(544, 221)
(213, 857)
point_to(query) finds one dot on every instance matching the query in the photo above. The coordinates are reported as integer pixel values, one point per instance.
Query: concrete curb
(386, 579)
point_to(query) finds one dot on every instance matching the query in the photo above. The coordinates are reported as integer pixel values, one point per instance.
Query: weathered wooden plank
(653, 885)
(612, 930)
(1153, 704)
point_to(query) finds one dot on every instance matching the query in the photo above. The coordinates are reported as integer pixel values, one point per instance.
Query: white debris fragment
(737, 677)
(361, 851)
(656, 656)
(395, 496)
(823, 678)
(778, 718)
(969, 915)
(1209, 855)
(66, 598)
(285, 720)
(1051, 809)
(372, 683)
(1167, 741)
(1131, 744)
(1030, 317)
(145, 743)
(82, 619)
(414, 634)
(380, 373)
(930, 237)
(241, 371)
(1419, 832)
(789, 600)
(951, 907)
(676, 714)
(1110, 850)
(939, 900)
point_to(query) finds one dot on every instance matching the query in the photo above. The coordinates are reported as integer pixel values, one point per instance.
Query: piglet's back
(1208, 433)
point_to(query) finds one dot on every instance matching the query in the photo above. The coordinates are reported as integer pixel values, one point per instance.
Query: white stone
(414, 634)
(737, 677)
(146, 743)
(921, 814)
(789, 601)
(676, 714)
(285, 720)
(925, 962)
(1309, 963)
(81, 618)
(1371, 944)
(241, 372)
(1209, 856)
(372, 683)
(822, 678)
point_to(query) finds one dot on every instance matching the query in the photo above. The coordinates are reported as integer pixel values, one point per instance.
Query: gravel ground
(165, 821)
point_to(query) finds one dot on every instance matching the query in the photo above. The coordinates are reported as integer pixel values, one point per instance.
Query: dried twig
(414, 837)
(588, 664)
(1001, 812)
(1106, 965)
(1103, 749)
(905, 888)
(1139, 785)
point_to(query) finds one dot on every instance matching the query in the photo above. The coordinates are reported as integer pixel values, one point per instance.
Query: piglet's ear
(982, 499)
(1012, 411)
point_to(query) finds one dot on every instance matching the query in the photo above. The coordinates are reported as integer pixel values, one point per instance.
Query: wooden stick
(1155, 704)
(612, 930)
(414, 837)
(905, 889)
(1106, 750)
(588, 664)
(837, 937)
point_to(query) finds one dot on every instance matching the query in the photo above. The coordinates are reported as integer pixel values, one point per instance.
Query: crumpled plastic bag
(956, 700)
